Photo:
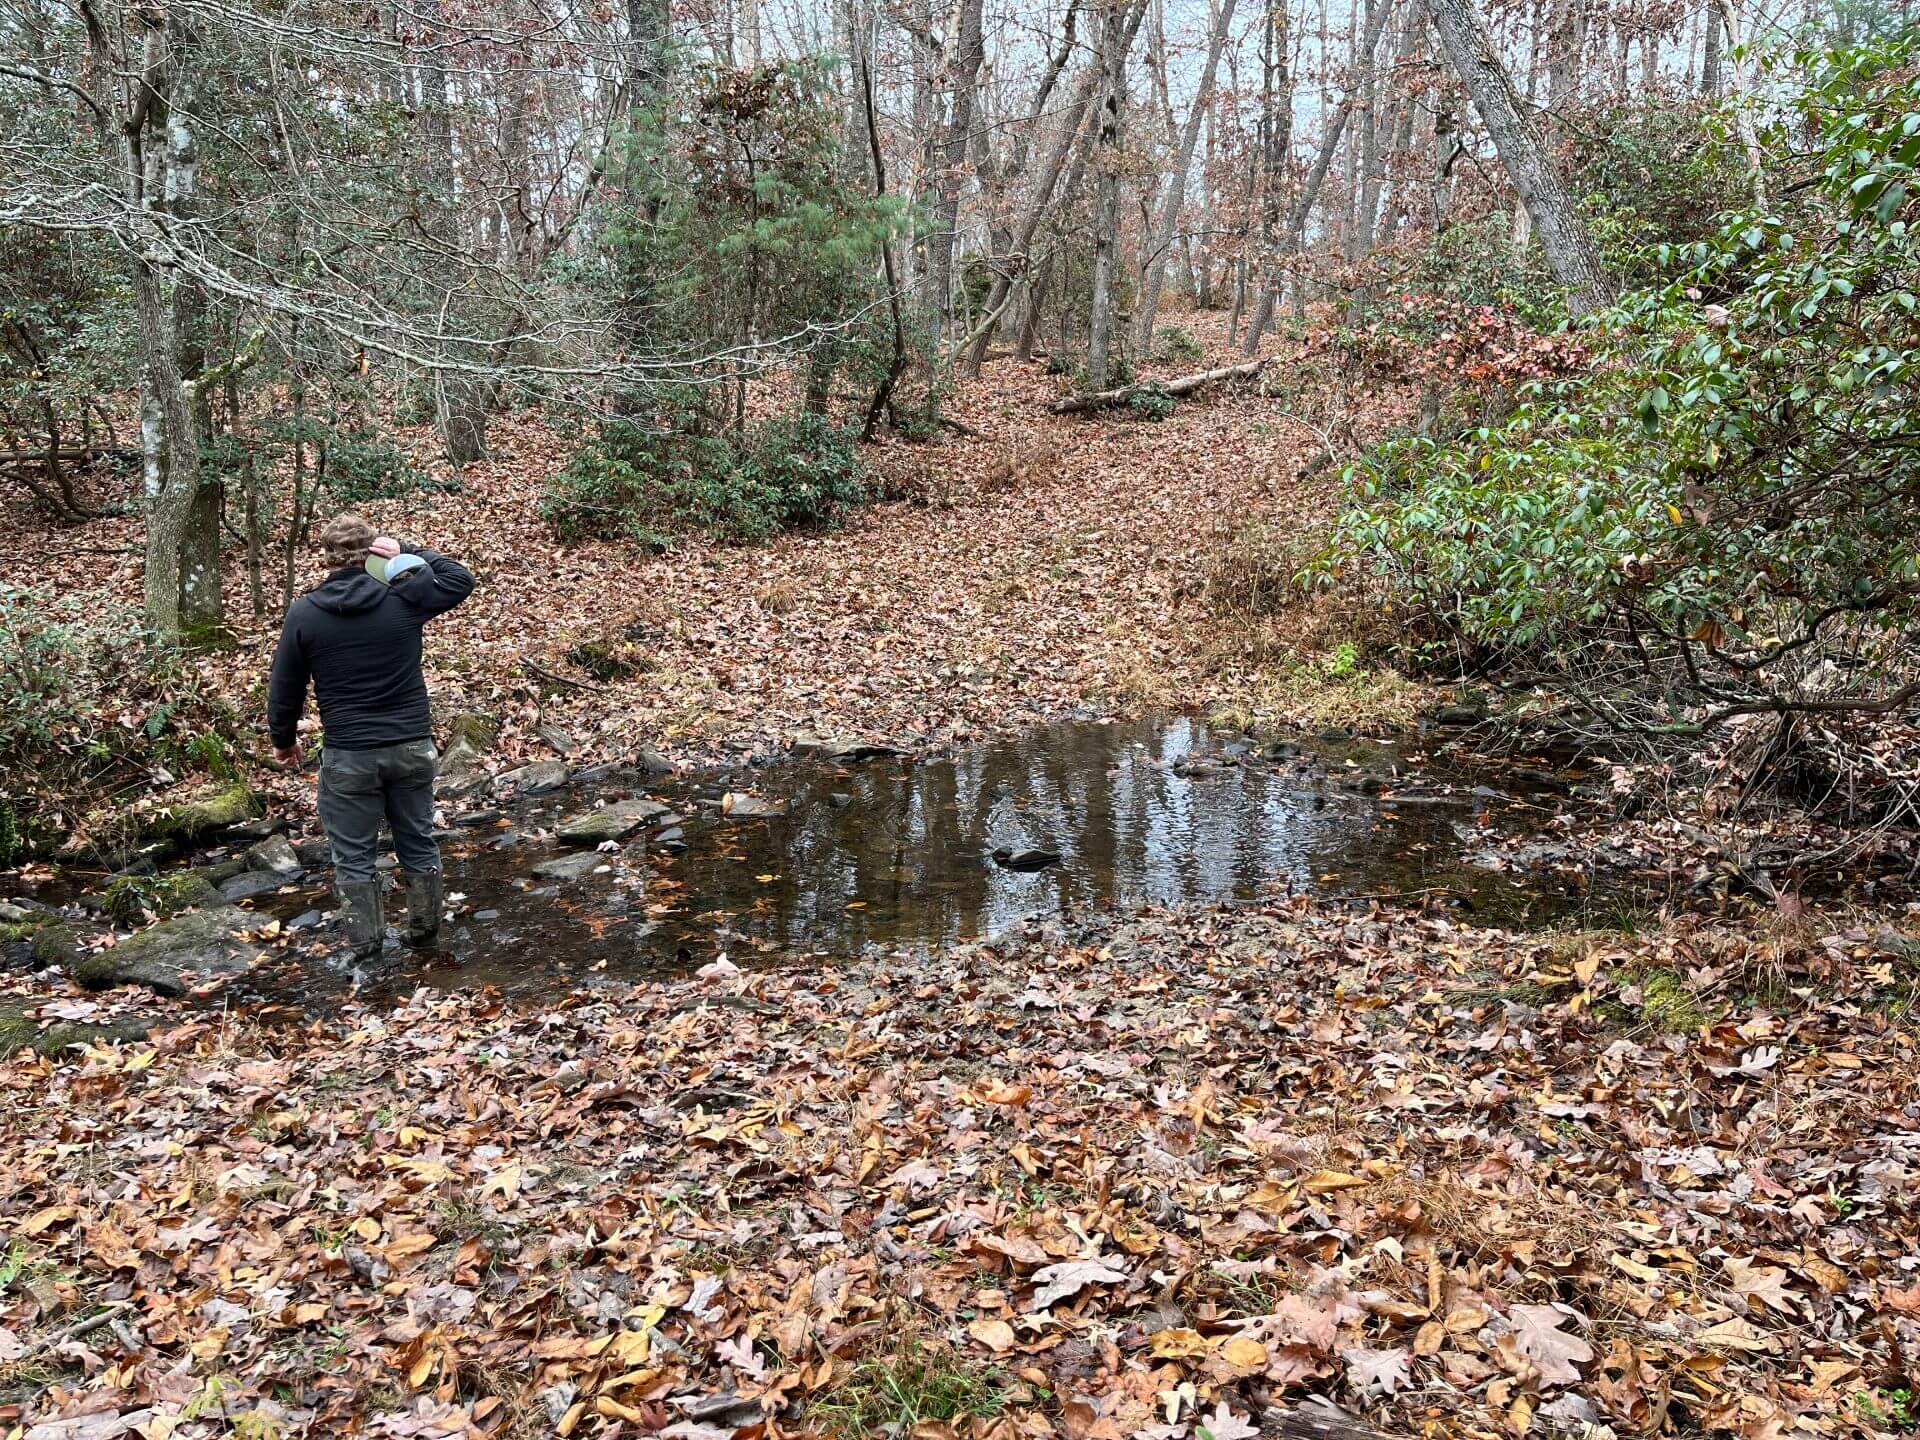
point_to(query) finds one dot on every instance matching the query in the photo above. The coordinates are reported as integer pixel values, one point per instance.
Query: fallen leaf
(1070, 1277)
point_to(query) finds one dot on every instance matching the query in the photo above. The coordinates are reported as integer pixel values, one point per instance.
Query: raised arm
(438, 588)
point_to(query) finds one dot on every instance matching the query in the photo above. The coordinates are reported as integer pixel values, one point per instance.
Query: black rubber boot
(426, 896)
(366, 923)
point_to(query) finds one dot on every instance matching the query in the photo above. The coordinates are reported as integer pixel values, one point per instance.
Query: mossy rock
(188, 820)
(173, 956)
(468, 738)
(19, 1031)
(473, 729)
(57, 943)
(128, 899)
(18, 924)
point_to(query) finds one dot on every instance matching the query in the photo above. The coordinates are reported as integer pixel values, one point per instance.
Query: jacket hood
(348, 592)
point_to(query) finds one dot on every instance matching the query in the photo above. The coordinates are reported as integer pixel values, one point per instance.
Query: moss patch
(12, 932)
(476, 731)
(57, 943)
(19, 1032)
(1668, 1003)
(190, 819)
(130, 898)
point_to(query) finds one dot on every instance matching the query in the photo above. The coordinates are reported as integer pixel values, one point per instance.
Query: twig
(541, 672)
(78, 1328)
(93, 550)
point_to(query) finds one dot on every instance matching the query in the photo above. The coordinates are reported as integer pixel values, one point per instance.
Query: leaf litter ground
(1160, 1177)
(1164, 1176)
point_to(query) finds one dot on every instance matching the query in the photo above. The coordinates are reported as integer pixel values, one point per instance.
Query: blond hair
(346, 539)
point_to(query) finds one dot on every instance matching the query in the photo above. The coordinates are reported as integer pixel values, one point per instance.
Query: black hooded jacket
(359, 642)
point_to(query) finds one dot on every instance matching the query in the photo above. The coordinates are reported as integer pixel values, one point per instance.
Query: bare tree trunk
(1239, 300)
(970, 52)
(1203, 288)
(1106, 219)
(1446, 149)
(1743, 104)
(1176, 196)
(925, 49)
(748, 20)
(1295, 235)
(459, 398)
(1340, 228)
(1563, 235)
(1001, 234)
(1049, 177)
(1360, 237)
(1036, 298)
(153, 141)
(1276, 154)
(1710, 50)
(202, 613)
(1398, 202)
(1521, 234)
(882, 401)
(1565, 48)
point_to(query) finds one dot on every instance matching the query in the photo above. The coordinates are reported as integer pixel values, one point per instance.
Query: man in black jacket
(357, 637)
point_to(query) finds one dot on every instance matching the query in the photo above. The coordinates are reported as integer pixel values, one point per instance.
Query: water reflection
(898, 854)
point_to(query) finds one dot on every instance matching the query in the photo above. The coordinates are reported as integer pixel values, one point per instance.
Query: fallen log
(66, 455)
(1184, 385)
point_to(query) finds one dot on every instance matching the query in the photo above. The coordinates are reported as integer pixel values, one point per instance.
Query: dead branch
(554, 677)
(1314, 1421)
(1184, 385)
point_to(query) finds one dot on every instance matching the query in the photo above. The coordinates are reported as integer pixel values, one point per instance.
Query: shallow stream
(898, 853)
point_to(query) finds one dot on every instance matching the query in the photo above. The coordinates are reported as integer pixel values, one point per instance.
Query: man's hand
(385, 546)
(288, 755)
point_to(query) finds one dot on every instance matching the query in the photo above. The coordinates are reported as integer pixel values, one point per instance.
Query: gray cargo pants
(360, 788)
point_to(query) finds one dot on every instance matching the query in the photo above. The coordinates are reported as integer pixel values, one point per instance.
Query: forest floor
(1163, 1176)
(1048, 566)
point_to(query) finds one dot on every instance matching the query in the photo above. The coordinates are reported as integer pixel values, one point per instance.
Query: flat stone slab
(576, 866)
(275, 856)
(535, 779)
(173, 956)
(740, 805)
(611, 822)
(251, 885)
(843, 749)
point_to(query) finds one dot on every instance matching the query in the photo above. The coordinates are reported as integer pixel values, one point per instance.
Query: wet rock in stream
(172, 957)
(570, 867)
(1025, 857)
(612, 822)
(274, 856)
(251, 884)
(539, 778)
(842, 750)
